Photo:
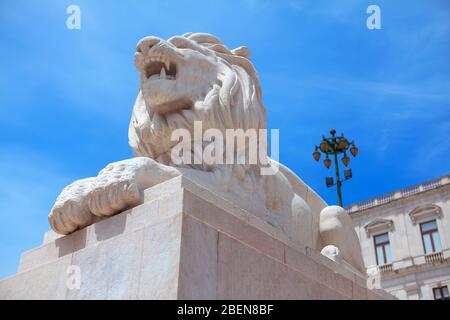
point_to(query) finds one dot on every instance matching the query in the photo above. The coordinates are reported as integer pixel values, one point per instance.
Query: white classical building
(405, 238)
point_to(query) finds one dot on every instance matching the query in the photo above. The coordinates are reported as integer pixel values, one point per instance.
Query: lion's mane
(233, 102)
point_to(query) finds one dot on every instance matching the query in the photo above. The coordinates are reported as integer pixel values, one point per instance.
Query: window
(440, 293)
(430, 237)
(382, 249)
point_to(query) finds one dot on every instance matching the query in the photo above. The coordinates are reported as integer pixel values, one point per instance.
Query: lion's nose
(147, 43)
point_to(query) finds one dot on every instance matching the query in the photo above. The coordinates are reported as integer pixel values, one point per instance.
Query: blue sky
(66, 96)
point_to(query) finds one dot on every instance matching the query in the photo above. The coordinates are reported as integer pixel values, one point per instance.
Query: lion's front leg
(117, 187)
(121, 184)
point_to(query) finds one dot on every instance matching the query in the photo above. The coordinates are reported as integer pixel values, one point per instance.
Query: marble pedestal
(183, 242)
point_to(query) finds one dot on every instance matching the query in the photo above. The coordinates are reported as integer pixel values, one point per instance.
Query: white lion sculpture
(195, 77)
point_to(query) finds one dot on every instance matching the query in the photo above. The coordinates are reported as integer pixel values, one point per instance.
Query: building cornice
(388, 198)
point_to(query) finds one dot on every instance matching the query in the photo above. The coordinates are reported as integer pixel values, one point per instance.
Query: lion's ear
(242, 52)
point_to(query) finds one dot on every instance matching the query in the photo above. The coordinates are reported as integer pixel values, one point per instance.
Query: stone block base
(184, 242)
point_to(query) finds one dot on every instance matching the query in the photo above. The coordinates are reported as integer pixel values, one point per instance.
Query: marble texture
(189, 79)
(183, 242)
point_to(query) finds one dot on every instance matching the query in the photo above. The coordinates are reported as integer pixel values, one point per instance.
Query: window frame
(441, 291)
(430, 234)
(383, 246)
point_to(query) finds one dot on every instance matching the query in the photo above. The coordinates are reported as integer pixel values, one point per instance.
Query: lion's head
(188, 78)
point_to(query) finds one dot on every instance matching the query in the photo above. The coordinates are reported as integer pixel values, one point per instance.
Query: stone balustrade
(434, 257)
(403, 193)
(385, 268)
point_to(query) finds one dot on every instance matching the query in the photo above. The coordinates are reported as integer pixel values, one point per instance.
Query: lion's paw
(70, 211)
(115, 189)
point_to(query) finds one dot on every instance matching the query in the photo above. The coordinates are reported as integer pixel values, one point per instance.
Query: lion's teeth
(167, 64)
(162, 74)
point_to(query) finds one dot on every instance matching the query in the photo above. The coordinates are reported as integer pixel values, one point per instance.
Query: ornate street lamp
(333, 146)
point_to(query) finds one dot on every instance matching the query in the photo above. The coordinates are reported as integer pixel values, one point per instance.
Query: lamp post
(333, 146)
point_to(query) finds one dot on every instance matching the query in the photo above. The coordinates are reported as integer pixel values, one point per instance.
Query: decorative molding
(399, 194)
(425, 212)
(378, 226)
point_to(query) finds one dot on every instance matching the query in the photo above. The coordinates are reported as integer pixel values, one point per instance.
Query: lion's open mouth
(160, 68)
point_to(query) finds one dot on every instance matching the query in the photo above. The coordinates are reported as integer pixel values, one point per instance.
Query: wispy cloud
(341, 11)
(424, 90)
(433, 152)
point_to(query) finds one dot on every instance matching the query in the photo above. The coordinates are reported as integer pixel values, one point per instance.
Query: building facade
(405, 239)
